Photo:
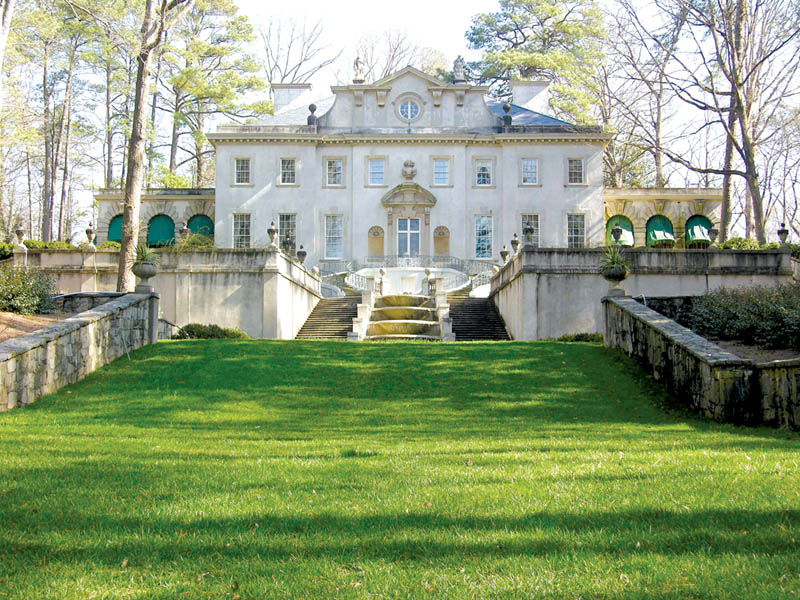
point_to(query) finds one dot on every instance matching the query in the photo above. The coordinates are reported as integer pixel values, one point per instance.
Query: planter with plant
(146, 265)
(613, 266)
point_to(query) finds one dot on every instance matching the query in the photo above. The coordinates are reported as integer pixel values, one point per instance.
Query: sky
(434, 23)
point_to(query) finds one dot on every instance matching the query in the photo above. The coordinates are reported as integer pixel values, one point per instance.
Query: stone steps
(332, 318)
(476, 319)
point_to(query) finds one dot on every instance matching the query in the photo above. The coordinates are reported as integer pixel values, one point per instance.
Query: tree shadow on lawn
(261, 389)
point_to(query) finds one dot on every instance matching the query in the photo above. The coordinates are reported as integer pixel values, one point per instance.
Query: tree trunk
(47, 192)
(153, 26)
(30, 193)
(173, 146)
(725, 216)
(109, 179)
(6, 12)
(66, 127)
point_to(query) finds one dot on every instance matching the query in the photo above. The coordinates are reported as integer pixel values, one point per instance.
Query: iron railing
(471, 267)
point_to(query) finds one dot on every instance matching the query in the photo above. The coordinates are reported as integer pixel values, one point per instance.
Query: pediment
(408, 194)
(430, 79)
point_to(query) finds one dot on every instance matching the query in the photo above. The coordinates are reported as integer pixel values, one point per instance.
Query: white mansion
(411, 165)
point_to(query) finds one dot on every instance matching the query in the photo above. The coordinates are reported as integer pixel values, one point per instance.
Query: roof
(523, 116)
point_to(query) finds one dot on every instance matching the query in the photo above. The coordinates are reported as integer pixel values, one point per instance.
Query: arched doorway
(115, 229)
(659, 232)
(201, 224)
(160, 231)
(627, 238)
(697, 228)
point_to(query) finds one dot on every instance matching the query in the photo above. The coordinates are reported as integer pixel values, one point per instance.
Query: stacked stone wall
(44, 361)
(702, 376)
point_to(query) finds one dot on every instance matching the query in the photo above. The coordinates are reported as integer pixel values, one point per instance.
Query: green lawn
(261, 469)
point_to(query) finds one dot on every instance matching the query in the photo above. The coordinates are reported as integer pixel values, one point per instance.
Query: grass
(262, 469)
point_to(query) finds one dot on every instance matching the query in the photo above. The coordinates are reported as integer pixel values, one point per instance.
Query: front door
(408, 237)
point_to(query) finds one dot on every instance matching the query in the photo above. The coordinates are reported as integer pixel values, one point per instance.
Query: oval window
(409, 110)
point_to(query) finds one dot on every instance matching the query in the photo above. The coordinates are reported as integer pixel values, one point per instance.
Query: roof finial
(458, 70)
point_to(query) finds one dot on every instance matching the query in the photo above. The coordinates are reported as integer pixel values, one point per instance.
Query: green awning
(201, 224)
(626, 239)
(659, 231)
(697, 230)
(161, 231)
(115, 229)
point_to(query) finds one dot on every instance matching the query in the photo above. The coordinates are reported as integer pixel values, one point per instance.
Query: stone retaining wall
(548, 292)
(701, 375)
(82, 301)
(41, 362)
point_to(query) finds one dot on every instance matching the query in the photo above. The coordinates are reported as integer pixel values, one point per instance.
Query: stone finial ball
(312, 108)
(506, 107)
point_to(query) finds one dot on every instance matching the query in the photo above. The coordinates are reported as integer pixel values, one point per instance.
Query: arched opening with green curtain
(201, 224)
(697, 228)
(160, 231)
(115, 229)
(626, 239)
(659, 232)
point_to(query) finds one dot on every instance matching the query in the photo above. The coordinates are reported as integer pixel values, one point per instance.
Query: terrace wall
(545, 293)
(701, 375)
(260, 291)
(46, 360)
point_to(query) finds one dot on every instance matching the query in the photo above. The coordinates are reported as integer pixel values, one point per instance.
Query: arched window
(697, 232)
(659, 232)
(626, 239)
(201, 224)
(161, 231)
(115, 229)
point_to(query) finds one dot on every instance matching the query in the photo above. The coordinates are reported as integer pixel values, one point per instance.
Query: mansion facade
(410, 165)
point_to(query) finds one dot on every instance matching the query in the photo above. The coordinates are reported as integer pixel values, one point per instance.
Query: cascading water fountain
(404, 316)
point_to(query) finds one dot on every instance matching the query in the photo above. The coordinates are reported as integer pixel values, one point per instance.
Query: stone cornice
(410, 139)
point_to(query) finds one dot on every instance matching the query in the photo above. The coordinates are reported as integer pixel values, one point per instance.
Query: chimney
(283, 94)
(532, 95)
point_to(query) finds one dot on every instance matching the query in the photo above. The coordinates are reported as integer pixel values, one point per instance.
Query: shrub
(767, 316)
(40, 245)
(196, 331)
(194, 241)
(6, 251)
(581, 337)
(739, 243)
(109, 245)
(25, 292)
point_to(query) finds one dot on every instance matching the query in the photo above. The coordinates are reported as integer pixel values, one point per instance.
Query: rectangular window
(241, 231)
(287, 231)
(576, 231)
(334, 236)
(483, 172)
(242, 174)
(288, 172)
(483, 236)
(441, 171)
(334, 172)
(376, 171)
(530, 171)
(408, 237)
(575, 171)
(532, 222)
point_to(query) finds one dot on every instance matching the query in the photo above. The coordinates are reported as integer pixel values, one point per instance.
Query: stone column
(152, 318)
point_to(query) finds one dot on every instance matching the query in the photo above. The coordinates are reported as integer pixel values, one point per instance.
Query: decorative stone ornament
(515, 244)
(616, 233)
(144, 271)
(783, 233)
(527, 233)
(20, 232)
(712, 234)
(301, 255)
(504, 254)
(315, 271)
(90, 231)
(409, 170)
(183, 232)
(272, 232)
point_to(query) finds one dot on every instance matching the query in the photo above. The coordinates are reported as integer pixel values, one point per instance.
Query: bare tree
(293, 52)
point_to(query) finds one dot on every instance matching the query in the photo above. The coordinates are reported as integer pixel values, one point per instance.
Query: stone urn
(144, 271)
(615, 273)
(301, 255)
